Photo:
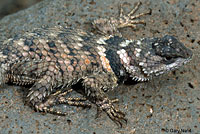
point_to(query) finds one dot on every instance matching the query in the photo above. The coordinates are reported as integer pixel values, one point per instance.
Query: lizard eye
(168, 58)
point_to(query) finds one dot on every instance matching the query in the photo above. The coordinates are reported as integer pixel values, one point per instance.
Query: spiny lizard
(52, 59)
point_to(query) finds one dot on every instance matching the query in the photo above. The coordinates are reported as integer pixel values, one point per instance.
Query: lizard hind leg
(59, 98)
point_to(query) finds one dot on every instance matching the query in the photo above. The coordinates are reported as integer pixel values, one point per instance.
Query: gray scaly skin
(51, 60)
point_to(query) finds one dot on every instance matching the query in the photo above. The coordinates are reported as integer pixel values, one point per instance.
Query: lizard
(51, 60)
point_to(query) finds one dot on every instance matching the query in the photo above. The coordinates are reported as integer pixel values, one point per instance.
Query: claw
(121, 11)
(117, 117)
(134, 9)
(99, 111)
(115, 100)
(139, 15)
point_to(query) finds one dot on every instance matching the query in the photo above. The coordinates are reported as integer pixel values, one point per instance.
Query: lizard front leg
(110, 26)
(95, 87)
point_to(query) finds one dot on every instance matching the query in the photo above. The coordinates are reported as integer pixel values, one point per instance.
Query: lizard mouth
(178, 62)
(172, 64)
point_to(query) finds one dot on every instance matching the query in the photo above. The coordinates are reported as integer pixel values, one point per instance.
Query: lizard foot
(115, 114)
(129, 20)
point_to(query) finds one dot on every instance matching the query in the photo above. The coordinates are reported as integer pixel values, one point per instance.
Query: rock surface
(12, 6)
(167, 103)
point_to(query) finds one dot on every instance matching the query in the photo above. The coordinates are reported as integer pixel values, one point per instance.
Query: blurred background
(11, 6)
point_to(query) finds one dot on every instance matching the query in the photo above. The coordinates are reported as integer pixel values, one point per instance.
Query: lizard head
(171, 50)
(164, 55)
(154, 56)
